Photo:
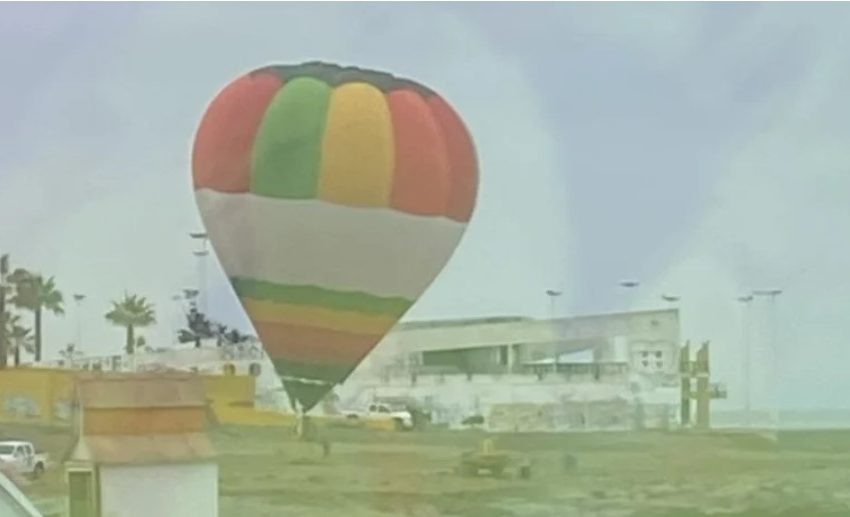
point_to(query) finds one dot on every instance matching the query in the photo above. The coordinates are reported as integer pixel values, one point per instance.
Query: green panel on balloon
(320, 297)
(288, 149)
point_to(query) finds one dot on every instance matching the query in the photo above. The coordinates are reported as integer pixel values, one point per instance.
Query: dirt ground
(266, 472)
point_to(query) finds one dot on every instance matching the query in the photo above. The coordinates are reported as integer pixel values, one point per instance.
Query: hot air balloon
(332, 196)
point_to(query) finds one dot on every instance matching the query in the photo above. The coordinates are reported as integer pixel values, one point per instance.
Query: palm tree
(20, 338)
(132, 312)
(35, 294)
(17, 336)
(198, 327)
(142, 344)
(70, 353)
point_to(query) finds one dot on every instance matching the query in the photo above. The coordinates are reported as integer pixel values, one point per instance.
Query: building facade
(610, 371)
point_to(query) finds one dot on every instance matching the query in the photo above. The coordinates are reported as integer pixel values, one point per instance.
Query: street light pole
(181, 313)
(202, 254)
(669, 298)
(78, 301)
(745, 338)
(629, 284)
(553, 294)
(771, 295)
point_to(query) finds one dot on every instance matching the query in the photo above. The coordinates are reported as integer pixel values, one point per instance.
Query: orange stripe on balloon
(221, 158)
(422, 173)
(462, 160)
(357, 150)
(301, 343)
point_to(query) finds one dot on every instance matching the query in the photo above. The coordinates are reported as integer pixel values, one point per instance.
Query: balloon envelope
(333, 196)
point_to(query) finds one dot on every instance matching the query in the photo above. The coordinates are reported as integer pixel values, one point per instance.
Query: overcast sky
(701, 149)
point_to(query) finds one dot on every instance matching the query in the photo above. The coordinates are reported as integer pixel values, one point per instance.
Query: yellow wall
(43, 395)
(40, 396)
(231, 388)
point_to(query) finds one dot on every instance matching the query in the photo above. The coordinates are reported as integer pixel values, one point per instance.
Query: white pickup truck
(22, 458)
(379, 410)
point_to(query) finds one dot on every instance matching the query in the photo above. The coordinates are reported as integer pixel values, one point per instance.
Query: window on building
(503, 355)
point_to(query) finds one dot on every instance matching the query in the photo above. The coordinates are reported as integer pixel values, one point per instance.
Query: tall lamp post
(671, 299)
(553, 294)
(178, 303)
(629, 284)
(746, 303)
(78, 301)
(202, 254)
(771, 295)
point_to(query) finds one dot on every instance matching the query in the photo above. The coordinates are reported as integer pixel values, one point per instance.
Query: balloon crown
(334, 75)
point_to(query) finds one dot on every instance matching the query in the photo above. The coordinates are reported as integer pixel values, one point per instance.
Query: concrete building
(610, 371)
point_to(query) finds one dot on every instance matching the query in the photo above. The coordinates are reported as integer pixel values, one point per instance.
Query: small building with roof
(141, 448)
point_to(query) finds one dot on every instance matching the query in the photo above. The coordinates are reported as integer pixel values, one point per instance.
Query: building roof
(578, 357)
(144, 449)
(460, 322)
(135, 391)
(463, 322)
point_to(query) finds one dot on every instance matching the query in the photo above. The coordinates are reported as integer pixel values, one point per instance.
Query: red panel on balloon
(221, 159)
(421, 179)
(462, 159)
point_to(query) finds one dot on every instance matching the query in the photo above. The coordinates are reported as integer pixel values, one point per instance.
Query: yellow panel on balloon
(357, 150)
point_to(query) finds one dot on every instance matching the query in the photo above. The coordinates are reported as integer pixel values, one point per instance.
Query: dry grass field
(266, 472)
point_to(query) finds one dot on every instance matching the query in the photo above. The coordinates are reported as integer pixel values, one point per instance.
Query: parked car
(377, 410)
(22, 458)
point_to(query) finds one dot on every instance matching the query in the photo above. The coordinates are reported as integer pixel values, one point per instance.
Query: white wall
(160, 491)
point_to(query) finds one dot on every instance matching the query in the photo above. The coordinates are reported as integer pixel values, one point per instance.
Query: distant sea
(787, 419)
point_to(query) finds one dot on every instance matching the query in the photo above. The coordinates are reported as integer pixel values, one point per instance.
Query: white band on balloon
(305, 381)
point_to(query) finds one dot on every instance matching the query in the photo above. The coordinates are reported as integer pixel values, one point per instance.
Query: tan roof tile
(148, 449)
(149, 390)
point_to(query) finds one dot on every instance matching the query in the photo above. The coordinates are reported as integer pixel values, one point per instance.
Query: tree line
(29, 293)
